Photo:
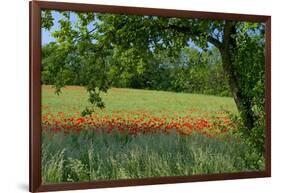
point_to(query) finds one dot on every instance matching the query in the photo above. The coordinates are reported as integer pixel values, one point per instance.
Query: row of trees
(194, 71)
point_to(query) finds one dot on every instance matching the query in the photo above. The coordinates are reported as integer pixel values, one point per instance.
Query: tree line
(194, 71)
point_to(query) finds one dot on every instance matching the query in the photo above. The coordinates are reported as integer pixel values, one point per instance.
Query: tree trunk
(242, 102)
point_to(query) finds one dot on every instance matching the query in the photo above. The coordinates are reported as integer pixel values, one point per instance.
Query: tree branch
(195, 33)
(214, 41)
(88, 33)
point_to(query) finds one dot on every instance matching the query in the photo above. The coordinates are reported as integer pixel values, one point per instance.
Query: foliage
(252, 81)
(192, 72)
(201, 72)
(253, 140)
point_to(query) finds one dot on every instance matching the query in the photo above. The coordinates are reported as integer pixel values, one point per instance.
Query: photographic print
(144, 96)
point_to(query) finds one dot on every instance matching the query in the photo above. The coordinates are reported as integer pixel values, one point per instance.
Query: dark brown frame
(35, 95)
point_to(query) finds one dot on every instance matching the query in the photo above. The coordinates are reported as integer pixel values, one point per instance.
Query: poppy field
(139, 134)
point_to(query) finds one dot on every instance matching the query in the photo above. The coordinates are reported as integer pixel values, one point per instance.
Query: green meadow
(90, 155)
(74, 99)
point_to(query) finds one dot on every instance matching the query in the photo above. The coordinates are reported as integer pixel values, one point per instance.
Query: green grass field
(91, 152)
(74, 99)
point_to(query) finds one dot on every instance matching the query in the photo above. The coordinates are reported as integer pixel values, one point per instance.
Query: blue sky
(46, 34)
(46, 37)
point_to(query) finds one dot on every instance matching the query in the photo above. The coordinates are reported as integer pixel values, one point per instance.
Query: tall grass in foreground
(93, 156)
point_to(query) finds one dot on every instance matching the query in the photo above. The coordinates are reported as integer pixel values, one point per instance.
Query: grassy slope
(89, 156)
(74, 99)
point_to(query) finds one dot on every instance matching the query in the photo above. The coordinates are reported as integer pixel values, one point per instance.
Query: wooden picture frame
(35, 8)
